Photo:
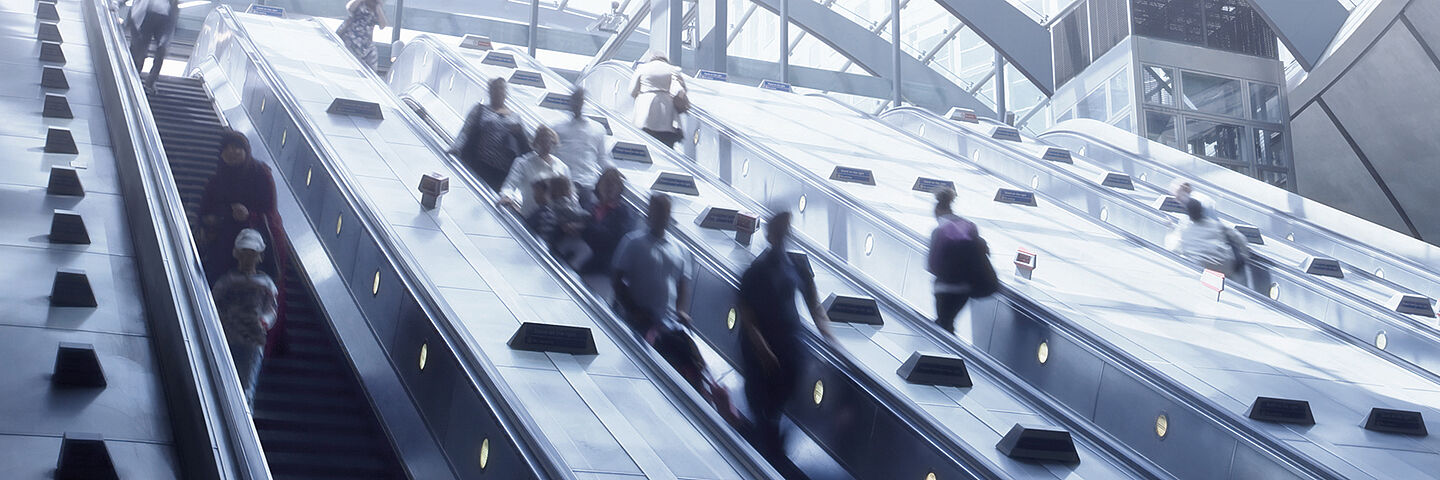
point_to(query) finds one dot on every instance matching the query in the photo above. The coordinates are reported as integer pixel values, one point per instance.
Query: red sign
(1213, 280)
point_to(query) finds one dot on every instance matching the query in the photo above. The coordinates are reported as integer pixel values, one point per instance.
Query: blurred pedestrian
(241, 195)
(960, 260)
(610, 220)
(358, 29)
(151, 22)
(660, 97)
(534, 166)
(582, 146)
(771, 344)
(1209, 243)
(492, 138)
(247, 302)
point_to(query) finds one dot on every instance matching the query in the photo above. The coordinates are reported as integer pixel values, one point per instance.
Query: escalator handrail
(672, 384)
(1391, 318)
(1414, 266)
(541, 457)
(1222, 418)
(238, 451)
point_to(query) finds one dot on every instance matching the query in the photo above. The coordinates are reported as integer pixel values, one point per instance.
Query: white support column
(896, 52)
(666, 27)
(784, 41)
(712, 45)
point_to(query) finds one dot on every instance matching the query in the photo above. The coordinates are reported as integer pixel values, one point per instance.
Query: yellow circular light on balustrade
(424, 354)
(1380, 273)
(1162, 425)
(1043, 353)
(869, 244)
(1104, 214)
(339, 222)
(375, 285)
(310, 172)
(284, 134)
(1035, 182)
(930, 476)
(819, 393)
(802, 203)
(1274, 291)
(484, 453)
(1381, 341)
(730, 319)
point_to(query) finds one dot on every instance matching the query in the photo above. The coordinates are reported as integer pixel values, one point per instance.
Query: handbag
(681, 98)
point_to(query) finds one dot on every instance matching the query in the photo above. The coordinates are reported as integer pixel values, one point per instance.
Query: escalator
(313, 419)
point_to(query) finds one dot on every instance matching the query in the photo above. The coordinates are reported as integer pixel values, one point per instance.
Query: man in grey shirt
(651, 274)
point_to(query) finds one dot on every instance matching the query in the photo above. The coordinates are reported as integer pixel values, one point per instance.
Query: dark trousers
(667, 138)
(155, 29)
(766, 393)
(947, 306)
(493, 176)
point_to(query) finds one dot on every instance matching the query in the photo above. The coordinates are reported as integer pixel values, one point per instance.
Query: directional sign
(709, 75)
(963, 115)
(1040, 444)
(355, 108)
(1018, 197)
(931, 185)
(1168, 203)
(603, 122)
(499, 59)
(476, 42)
(802, 263)
(527, 78)
(676, 183)
(266, 10)
(936, 370)
(853, 175)
(545, 337)
(1281, 410)
(1404, 422)
(848, 309)
(1323, 266)
(1116, 180)
(718, 218)
(1251, 233)
(1412, 304)
(1058, 155)
(776, 86)
(630, 152)
(556, 101)
(1002, 132)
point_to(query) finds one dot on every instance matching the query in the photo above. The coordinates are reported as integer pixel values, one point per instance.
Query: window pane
(1234, 26)
(1209, 94)
(1123, 123)
(1159, 84)
(1069, 114)
(1119, 92)
(1092, 106)
(1160, 127)
(1210, 139)
(1279, 179)
(1269, 147)
(1265, 102)
(1177, 20)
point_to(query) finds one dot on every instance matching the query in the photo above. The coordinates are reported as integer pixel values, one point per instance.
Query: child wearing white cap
(246, 300)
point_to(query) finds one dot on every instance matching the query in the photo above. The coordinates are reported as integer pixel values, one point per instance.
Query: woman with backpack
(960, 261)
(1209, 243)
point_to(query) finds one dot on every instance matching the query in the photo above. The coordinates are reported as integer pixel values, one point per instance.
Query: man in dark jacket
(152, 22)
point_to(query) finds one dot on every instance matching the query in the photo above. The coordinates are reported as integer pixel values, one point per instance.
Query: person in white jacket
(1207, 242)
(582, 146)
(537, 165)
(654, 87)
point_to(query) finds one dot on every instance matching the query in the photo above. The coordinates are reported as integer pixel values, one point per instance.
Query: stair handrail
(218, 399)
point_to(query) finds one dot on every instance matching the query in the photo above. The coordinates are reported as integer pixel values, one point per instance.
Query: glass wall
(1231, 122)
(1230, 25)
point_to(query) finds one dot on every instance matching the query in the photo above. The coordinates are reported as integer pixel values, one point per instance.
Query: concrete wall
(1363, 122)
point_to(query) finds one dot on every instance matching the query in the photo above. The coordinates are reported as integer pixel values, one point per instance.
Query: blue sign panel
(266, 10)
(557, 101)
(603, 122)
(1005, 133)
(355, 108)
(1117, 180)
(527, 78)
(1251, 233)
(1018, 197)
(1169, 204)
(709, 75)
(676, 183)
(931, 185)
(630, 152)
(776, 86)
(499, 59)
(1057, 155)
(853, 175)
(1328, 267)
